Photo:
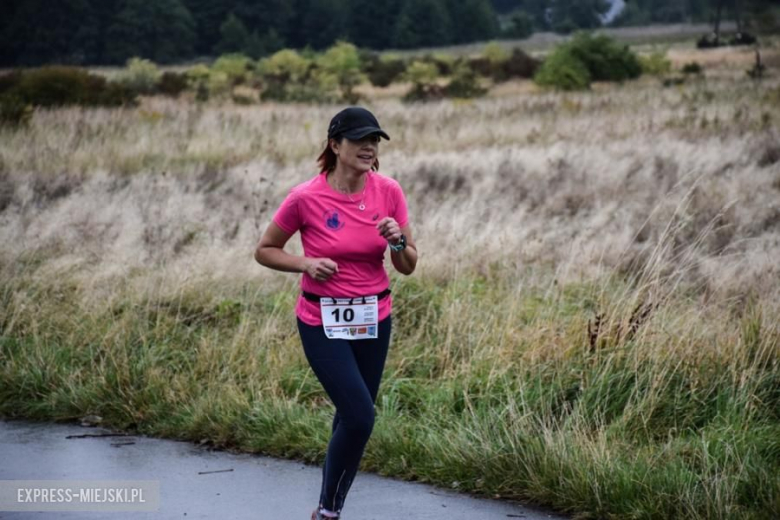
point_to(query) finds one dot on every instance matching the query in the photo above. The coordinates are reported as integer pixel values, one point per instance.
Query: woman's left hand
(390, 230)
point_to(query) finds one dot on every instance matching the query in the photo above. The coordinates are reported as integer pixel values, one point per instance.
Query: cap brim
(360, 133)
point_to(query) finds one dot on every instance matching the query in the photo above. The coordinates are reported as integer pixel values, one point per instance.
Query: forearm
(405, 260)
(276, 258)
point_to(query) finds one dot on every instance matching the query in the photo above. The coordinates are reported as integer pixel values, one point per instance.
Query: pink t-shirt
(332, 226)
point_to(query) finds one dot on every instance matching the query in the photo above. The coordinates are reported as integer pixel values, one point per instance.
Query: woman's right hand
(320, 269)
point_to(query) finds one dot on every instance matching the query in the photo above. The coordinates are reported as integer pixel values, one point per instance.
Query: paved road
(257, 488)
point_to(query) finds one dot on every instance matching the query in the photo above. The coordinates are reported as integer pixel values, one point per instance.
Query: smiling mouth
(366, 157)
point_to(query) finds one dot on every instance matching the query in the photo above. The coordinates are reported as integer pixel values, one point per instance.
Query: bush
(61, 86)
(383, 70)
(198, 80)
(218, 84)
(423, 77)
(464, 84)
(656, 64)
(585, 58)
(289, 76)
(564, 71)
(692, 68)
(9, 80)
(14, 112)
(481, 66)
(285, 65)
(342, 62)
(172, 84)
(521, 25)
(445, 63)
(494, 53)
(520, 65)
(604, 58)
(235, 67)
(498, 64)
(140, 76)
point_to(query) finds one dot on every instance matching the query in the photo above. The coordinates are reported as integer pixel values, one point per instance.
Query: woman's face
(359, 155)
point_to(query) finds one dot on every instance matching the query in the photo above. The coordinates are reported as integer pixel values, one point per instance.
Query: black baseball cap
(354, 123)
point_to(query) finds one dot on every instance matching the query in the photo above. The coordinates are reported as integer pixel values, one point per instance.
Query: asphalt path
(196, 482)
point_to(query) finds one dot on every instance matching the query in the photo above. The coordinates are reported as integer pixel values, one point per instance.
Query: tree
(266, 15)
(382, 18)
(422, 23)
(319, 23)
(538, 10)
(235, 37)
(209, 15)
(761, 17)
(569, 15)
(522, 25)
(162, 31)
(46, 32)
(472, 20)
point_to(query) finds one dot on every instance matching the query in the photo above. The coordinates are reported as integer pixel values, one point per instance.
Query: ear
(334, 146)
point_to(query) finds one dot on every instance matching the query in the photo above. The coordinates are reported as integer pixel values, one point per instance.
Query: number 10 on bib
(344, 319)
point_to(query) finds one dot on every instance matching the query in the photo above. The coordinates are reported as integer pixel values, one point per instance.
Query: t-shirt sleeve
(288, 216)
(401, 212)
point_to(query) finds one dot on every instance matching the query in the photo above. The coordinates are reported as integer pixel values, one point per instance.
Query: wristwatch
(401, 244)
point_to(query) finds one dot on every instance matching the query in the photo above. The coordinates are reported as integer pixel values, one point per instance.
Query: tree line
(97, 32)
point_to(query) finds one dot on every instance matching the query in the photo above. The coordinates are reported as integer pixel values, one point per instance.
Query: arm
(270, 253)
(405, 260)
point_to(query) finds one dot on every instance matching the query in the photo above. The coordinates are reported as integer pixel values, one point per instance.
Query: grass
(514, 401)
(593, 325)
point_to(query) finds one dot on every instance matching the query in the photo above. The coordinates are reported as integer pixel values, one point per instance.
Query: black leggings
(350, 372)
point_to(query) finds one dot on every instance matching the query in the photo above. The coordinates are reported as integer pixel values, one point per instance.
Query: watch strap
(401, 245)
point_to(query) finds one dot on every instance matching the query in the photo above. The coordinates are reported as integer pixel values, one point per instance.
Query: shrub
(656, 64)
(423, 77)
(236, 67)
(692, 68)
(285, 65)
(172, 84)
(243, 96)
(481, 66)
(604, 58)
(445, 63)
(494, 58)
(383, 70)
(140, 76)
(14, 112)
(9, 80)
(521, 25)
(218, 84)
(198, 80)
(421, 73)
(520, 65)
(585, 58)
(564, 71)
(61, 86)
(289, 76)
(342, 62)
(673, 81)
(494, 53)
(464, 84)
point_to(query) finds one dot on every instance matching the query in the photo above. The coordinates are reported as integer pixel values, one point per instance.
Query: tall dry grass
(593, 324)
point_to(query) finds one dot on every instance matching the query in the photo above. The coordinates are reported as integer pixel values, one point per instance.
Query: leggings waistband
(316, 299)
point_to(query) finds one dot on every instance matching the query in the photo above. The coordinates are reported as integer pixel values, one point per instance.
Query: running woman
(347, 215)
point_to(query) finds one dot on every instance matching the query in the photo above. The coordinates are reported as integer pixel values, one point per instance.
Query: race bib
(350, 318)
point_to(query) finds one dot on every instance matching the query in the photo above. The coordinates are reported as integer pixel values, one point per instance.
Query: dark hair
(327, 159)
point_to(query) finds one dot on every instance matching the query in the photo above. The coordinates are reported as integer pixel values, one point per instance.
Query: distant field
(593, 324)
(543, 42)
